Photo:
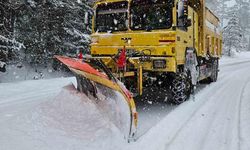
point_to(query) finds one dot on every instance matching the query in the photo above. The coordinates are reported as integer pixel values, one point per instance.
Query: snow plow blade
(96, 81)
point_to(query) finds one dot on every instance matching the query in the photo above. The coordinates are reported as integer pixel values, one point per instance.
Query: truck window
(182, 14)
(111, 17)
(151, 14)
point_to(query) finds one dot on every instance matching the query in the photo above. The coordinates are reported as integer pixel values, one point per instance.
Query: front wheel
(181, 87)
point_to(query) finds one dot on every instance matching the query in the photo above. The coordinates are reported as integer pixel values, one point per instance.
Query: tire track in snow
(239, 113)
(234, 104)
(226, 109)
(170, 131)
(200, 107)
(179, 123)
(223, 130)
(211, 116)
(200, 88)
(245, 120)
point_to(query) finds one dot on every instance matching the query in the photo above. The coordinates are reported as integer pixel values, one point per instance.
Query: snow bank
(238, 58)
(70, 121)
(22, 72)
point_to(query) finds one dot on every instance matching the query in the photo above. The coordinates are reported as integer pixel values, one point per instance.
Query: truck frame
(171, 43)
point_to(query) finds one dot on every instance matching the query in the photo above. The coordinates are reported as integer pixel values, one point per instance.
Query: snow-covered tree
(52, 27)
(244, 16)
(9, 47)
(249, 45)
(232, 35)
(226, 11)
(244, 13)
(241, 10)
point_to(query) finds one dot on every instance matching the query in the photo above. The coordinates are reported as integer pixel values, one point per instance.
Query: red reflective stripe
(79, 65)
(166, 40)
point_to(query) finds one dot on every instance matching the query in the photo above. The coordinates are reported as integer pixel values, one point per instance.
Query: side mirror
(86, 18)
(188, 22)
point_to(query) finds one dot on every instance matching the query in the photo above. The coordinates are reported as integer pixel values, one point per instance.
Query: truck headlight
(159, 64)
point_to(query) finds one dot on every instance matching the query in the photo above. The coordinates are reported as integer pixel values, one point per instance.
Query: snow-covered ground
(21, 72)
(44, 114)
(237, 58)
(217, 117)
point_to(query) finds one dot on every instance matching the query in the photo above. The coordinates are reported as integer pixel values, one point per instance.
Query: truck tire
(181, 87)
(184, 82)
(214, 75)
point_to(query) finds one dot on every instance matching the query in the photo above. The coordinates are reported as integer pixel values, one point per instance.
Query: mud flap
(114, 99)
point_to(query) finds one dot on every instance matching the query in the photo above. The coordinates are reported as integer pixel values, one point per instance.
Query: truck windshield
(111, 17)
(151, 14)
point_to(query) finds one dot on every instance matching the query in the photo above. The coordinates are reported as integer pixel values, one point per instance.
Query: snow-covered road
(216, 117)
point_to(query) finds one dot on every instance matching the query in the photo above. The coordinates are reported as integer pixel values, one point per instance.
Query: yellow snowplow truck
(171, 43)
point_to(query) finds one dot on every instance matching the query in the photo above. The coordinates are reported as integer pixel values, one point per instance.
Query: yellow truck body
(162, 46)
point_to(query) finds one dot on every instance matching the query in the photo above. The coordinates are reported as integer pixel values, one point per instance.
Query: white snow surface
(51, 115)
(70, 120)
(22, 71)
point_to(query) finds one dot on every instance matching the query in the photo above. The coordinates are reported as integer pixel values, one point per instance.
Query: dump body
(213, 35)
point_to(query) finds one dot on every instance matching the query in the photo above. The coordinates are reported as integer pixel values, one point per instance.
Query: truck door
(182, 35)
(185, 29)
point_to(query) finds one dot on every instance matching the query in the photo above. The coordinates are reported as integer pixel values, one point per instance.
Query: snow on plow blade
(95, 80)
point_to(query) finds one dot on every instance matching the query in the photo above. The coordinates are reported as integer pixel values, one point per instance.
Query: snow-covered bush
(2, 66)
